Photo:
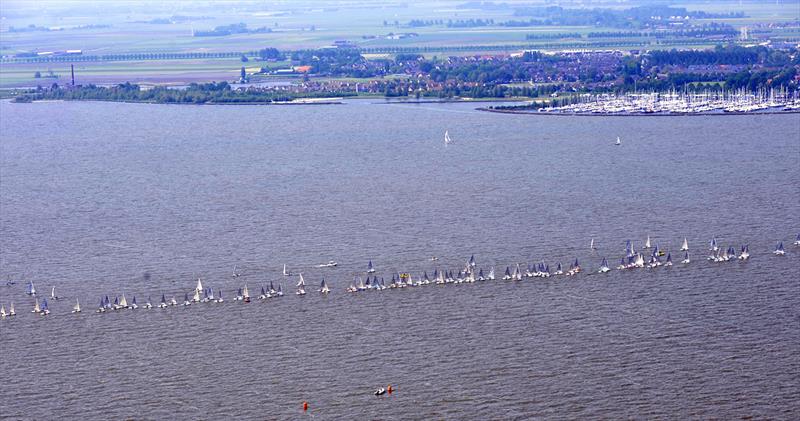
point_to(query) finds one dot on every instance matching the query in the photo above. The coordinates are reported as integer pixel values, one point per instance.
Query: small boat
(330, 264)
(669, 260)
(219, 297)
(235, 274)
(77, 307)
(263, 295)
(379, 392)
(370, 269)
(618, 142)
(507, 276)
(44, 310)
(31, 289)
(447, 139)
(134, 306)
(686, 259)
(301, 286)
(434, 258)
(323, 288)
(490, 276)
(713, 245)
(797, 240)
(123, 303)
(285, 272)
(186, 301)
(53, 295)
(591, 245)
(173, 301)
(148, 304)
(604, 266)
(11, 311)
(647, 243)
(246, 294)
(685, 245)
(745, 253)
(471, 262)
(779, 251)
(3, 313)
(163, 303)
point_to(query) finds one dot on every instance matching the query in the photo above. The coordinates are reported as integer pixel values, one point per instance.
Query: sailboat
(618, 142)
(77, 307)
(163, 303)
(745, 253)
(591, 245)
(263, 295)
(472, 261)
(797, 240)
(186, 301)
(246, 294)
(507, 276)
(517, 273)
(713, 246)
(134, 306)
(669, 260)
(148, 304)
(285, 272)
(199, 286)
(279, 292)
(604, 266)
(31, 289)
(53, 294)
(219, 297)
(3, 312)
(447, 139)
(686, 259)
(44, 310)
(685, 245)
(123, 303)
(301, 286)
(323, 288)
(490, 276)
(11, 311)
(779, 251)
(173, 301)
(647, 243)
(370, 269)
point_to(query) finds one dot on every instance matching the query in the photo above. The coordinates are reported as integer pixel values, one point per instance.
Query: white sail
(2, 311)
(53, 293)
(591, 244)
(285, 273)
(618, 142)
(447, 139)
(245, 292)
(199, 286)
(647, 243)
(123, 302)
(685, 245)
(77, 307)
(301, 282)
(36, 308)
(196, 297)
(11, 311)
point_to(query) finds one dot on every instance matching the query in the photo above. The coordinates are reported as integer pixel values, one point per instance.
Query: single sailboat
(685, 245)
(31, 289)
(447, 139)
(618, 142)
(779, 251)
(370, 269)
(301, 286)
(77, 307)
(323, 288)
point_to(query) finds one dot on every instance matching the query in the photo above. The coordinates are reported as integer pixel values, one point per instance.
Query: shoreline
(519, 112)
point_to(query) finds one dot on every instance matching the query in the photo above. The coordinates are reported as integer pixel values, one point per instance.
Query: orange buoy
(389, 389)
(305, 406)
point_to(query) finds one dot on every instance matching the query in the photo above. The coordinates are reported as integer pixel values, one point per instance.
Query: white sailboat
(246, 294)
(370, 269)
(685, 245)
(301, 286)
(779, 251)
(77, 307)
(324, 287)
(199, 287)
(604, 266)
(285, 272)
(647, 243)
(591, 245)
(618, 142)
(3, 312)
(123, 303)
(11, 311)
(447, 139)
(36, 308)
(686, 259)
(490, 276)
(53, 294)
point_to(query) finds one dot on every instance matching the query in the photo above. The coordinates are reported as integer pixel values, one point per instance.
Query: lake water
(102, 198)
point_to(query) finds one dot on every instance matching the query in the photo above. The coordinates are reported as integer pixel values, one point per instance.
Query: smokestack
(72, 70)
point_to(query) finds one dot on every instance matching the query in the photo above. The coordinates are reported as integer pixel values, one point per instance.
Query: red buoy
(305, 406)
(389, 389)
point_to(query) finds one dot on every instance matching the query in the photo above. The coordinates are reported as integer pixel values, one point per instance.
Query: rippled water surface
(103, 198)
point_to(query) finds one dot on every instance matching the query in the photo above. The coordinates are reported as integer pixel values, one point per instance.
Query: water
(101, 198)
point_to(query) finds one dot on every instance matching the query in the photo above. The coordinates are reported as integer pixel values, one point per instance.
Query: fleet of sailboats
(470, 273)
